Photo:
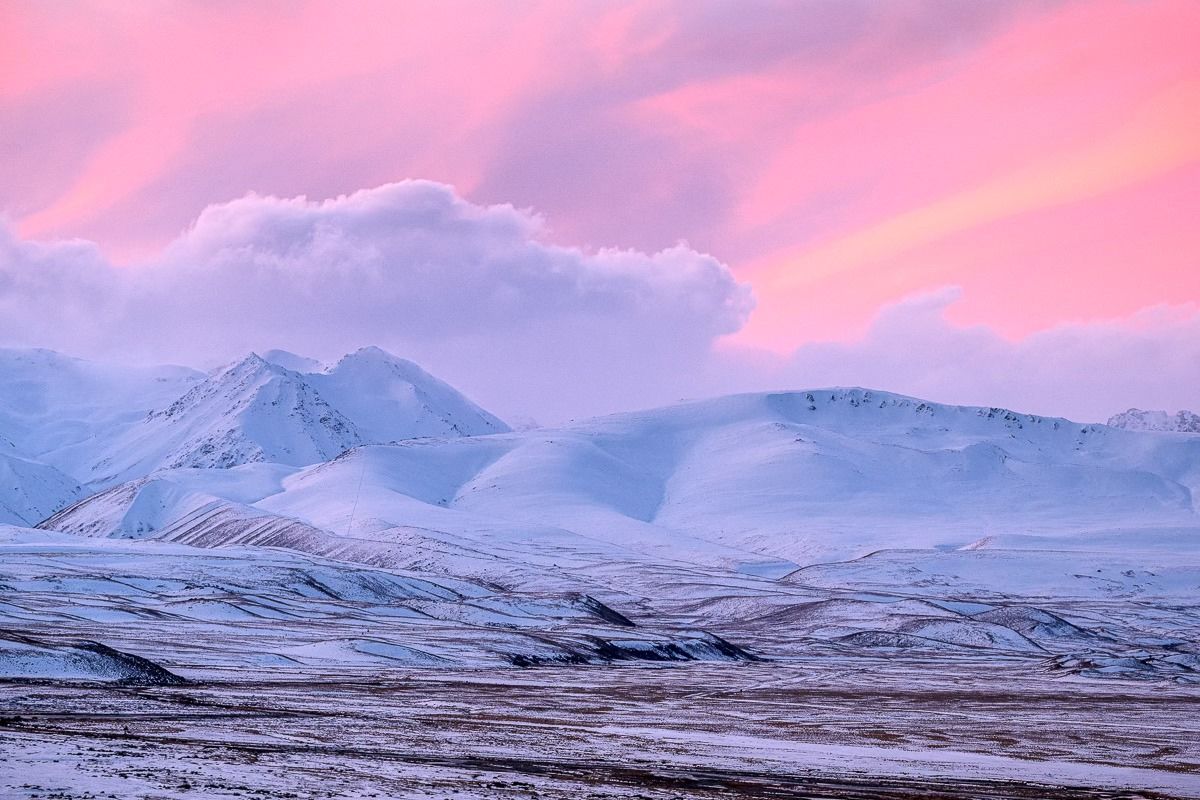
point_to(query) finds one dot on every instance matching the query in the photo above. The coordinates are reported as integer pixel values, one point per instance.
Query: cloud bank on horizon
(832, 167)
(537, 328)
(410, 266)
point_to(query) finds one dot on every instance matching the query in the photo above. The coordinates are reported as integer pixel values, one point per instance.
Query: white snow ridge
(1137, 420)
(353, 571)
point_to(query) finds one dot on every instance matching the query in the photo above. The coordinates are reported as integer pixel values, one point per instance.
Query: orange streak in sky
(1163, 135)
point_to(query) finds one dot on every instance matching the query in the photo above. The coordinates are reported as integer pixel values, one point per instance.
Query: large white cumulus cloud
(475, 290)
(415, 256)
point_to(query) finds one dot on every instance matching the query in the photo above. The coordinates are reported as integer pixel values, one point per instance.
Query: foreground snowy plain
(262, 585)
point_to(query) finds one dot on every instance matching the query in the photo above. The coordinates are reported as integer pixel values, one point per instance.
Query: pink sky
(838, 156)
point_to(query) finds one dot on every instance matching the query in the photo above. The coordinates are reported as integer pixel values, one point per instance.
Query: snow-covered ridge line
(1136, 419)
(71, 422)
(762, 483)
(854, 397)
(258, 411)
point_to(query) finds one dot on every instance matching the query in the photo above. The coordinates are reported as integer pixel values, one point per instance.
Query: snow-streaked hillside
(388, 399)
(31, 491)
(55, 408)
(56, 411)
(916, 555)
(103, 424)
(756, 479)
(1136, 419)
(250, 411)
(259, 411)
(256, 607)
(24, 657)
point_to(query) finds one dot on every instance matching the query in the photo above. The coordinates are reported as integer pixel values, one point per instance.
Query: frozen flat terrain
(820, 729)
(297, 580)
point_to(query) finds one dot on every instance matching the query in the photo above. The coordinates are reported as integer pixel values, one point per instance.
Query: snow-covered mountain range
(67, 423)
(761, 483)
(256, 410)
(420, 530)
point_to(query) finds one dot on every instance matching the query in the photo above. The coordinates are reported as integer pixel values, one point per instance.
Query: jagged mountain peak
(252, 410)
(259, 409)
(251, 362)
(232, 383)
(372, 352)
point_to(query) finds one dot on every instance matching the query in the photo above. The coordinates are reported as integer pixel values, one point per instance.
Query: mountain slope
(31, 491)
(262, 607)
(58, 409)
(104, 425)
(389, 399)
(248, 412)
(57, 413)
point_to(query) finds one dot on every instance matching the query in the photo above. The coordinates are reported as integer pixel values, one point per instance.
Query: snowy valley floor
(904, 674)
(825, 728)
